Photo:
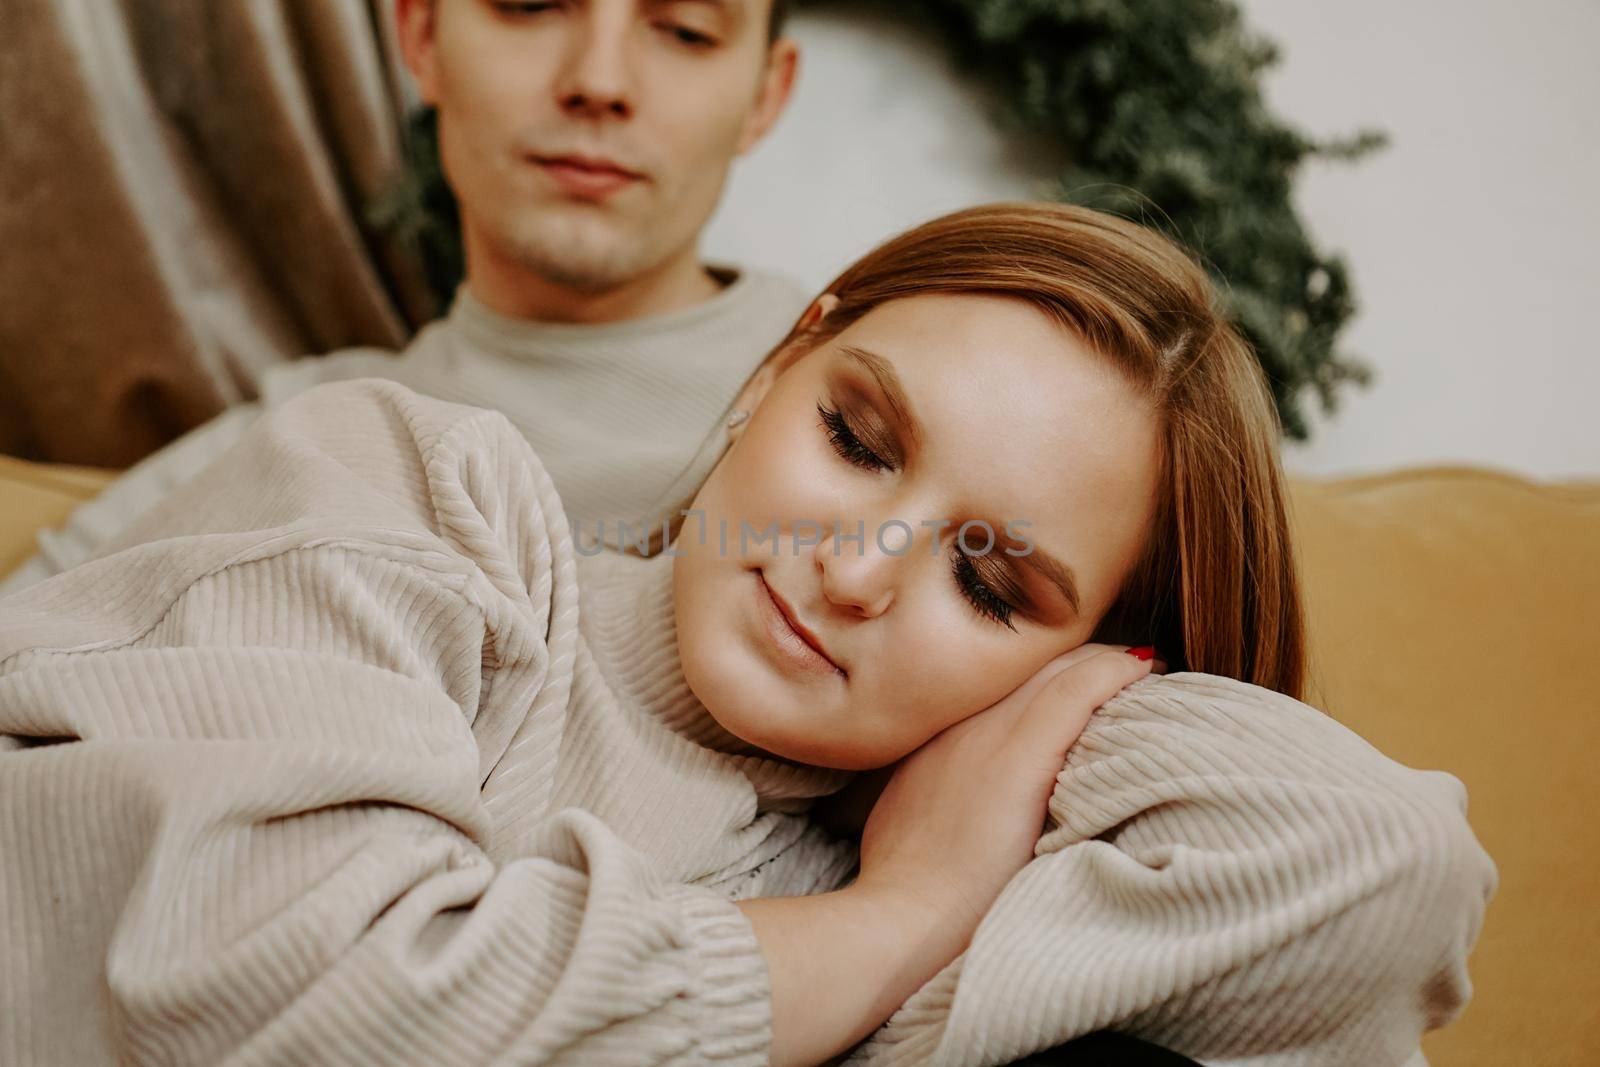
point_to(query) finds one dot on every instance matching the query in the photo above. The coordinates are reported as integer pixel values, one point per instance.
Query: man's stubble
(584, 249)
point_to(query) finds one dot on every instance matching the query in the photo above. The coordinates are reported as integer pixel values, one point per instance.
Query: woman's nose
(861, 569)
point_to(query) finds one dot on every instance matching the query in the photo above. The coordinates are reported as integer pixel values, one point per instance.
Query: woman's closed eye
(978, 593)
(846, 442)
(984, 600)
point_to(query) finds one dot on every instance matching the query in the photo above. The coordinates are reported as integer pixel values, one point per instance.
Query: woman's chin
(760, 736)
(754, 706)
(767, 738)
(807, 748)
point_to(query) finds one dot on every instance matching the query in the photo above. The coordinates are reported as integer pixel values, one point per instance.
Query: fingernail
(1142, 652)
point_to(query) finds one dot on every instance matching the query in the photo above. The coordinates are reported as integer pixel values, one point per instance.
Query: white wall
(1474, 239)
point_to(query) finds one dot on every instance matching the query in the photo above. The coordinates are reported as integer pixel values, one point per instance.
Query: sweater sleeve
(240, 776)
(111, 520)
(1232, 875)
(95, 524)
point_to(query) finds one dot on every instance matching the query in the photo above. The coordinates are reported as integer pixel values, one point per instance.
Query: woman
(371, 764)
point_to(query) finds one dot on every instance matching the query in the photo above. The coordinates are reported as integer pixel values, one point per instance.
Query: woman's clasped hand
(950, 824)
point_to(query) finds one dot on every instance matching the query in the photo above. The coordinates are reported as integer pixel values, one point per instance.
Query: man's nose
(596, 79)
(861, 574)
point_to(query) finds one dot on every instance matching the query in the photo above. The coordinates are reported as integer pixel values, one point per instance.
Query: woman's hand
(844, 813)
(960, 816)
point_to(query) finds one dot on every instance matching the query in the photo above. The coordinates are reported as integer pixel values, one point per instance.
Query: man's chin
(588, 255)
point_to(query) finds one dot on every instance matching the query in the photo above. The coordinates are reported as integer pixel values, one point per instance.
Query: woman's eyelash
(984, 601)
(846, 443)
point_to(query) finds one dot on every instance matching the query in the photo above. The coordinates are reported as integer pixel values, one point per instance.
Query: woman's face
(928, 413)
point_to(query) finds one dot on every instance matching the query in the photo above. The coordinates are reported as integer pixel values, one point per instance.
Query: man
(587, 145)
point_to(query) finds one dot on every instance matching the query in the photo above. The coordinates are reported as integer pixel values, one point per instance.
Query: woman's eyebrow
(1058, 573)
(883, 373)
(1053, 570)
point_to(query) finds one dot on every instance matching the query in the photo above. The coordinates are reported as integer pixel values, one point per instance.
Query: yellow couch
(38, 495)
(1454, 614)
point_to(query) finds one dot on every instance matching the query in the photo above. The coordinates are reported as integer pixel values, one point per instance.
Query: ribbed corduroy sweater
(350, 758)
(622, 414)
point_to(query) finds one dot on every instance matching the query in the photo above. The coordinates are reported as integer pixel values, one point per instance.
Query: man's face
(588, 140)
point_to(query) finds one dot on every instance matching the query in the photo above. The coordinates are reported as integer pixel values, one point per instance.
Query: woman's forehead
(1016, 417)
(996, 379)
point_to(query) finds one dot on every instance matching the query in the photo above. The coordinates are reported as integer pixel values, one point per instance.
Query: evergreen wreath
(1157, 107)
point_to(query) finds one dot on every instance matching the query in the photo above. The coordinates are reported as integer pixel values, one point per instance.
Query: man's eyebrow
(1053, 570)
(883, 373)
(733, 9)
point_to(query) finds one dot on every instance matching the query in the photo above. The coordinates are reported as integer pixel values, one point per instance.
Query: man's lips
(798, 627)
(589, 177)
(592, 164)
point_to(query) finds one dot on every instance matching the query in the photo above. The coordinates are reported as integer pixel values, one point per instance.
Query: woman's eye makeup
(847, 443)
(984, 600)
(849, 446)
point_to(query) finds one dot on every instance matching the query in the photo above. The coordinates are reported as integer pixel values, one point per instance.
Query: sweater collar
(627, 617)
(556, 341)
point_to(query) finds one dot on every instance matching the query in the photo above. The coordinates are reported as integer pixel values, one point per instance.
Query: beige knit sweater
(352, 759)
(618, 412)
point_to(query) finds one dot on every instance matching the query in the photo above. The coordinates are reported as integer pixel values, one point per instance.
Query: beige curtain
(183, 192)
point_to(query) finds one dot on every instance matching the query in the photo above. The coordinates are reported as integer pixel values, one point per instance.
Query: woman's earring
(736, 417)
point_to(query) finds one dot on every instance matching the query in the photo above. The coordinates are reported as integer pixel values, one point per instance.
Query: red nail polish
(1142, 652)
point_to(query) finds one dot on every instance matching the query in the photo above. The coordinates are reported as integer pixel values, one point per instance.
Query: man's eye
(846, 443)
(523, 8)
(685, 35)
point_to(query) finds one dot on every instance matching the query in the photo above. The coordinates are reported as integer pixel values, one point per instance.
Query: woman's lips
(796, 646)
(587, 177)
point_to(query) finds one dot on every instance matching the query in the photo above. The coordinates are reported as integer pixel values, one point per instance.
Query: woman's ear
(756, 389)
(820, 308)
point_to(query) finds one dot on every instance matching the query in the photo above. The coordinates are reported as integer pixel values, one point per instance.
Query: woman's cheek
(982, 670)
(939, 678)
(781, 473)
